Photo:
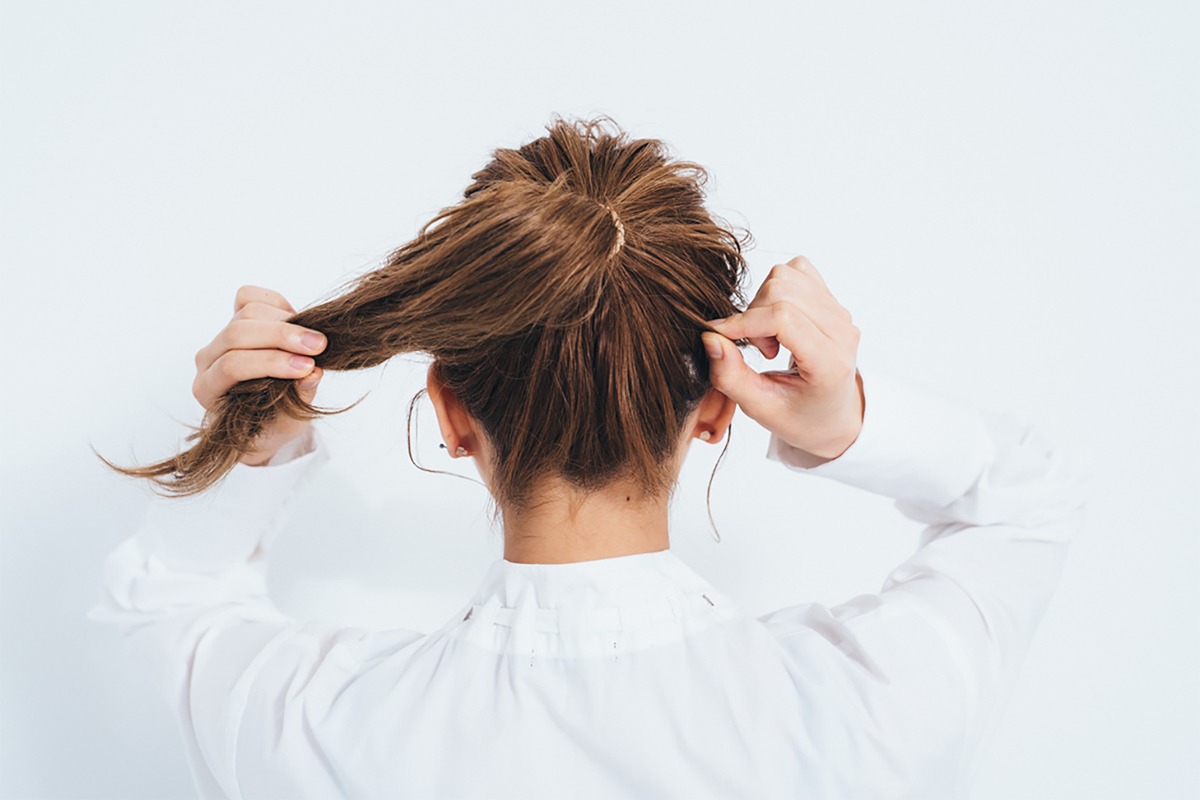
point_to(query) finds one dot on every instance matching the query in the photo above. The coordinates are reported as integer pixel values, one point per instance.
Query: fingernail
(302, 362)
(716, 322)
(312, 379)
(313, 341)
(713, 347)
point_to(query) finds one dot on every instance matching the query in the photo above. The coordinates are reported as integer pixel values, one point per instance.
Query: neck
(560, 527)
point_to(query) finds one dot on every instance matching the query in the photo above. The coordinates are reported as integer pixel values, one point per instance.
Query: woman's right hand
(816, 405)
(258, 344)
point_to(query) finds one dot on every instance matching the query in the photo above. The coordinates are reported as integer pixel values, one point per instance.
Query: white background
(1004, 195)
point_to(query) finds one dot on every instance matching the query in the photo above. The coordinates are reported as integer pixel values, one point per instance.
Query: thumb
(308, 385)
(727, 370)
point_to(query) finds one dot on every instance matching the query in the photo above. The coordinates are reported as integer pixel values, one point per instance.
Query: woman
(584, 315)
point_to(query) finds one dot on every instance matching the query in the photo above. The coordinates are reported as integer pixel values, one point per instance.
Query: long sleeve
(188, 591)
(934, 655)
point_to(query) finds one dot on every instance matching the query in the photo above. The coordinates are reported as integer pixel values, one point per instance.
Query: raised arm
(918, 672)
(929, 662)
(188, 590)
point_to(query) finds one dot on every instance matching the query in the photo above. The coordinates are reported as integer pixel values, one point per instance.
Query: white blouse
(622, 677)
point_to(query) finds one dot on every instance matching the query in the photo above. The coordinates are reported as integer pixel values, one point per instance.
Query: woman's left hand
(816, 405)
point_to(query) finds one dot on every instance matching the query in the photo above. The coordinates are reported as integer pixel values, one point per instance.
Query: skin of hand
(817, 404)
(257, 343)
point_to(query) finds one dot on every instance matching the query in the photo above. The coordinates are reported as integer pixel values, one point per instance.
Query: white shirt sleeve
(932, 657)
(188, 590)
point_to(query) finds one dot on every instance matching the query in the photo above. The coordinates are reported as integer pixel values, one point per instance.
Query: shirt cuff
(226, 525)
(913, 445)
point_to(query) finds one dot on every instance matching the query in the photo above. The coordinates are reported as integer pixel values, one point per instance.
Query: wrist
(828, 440)
(282, 445)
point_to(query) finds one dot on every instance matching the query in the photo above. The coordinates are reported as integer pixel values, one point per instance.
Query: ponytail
(562, 299)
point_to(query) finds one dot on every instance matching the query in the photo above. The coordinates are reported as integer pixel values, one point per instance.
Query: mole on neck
(561, 528)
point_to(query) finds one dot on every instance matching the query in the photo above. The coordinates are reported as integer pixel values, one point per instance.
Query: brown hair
(562, 300)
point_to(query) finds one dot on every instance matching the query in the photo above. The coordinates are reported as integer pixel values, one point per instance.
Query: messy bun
(562, 300)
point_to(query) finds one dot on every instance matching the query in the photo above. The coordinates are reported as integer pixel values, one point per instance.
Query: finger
(799, 279)
(794, 271)
(785, 282)
(257, 294)
(811, 298)
(257, 310)
(783, 321)
(731, 375)
(236, 366)
(254, 334)
(769, 347)
(805, 267)
(308, 384)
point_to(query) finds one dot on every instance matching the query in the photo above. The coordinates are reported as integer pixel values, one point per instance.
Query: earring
(461, 451)
(705, 435)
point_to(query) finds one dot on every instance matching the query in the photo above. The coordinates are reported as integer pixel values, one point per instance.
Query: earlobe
(716, 414)
(457, 429)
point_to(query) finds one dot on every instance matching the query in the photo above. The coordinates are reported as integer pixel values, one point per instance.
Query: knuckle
(226, 368)
(220, 342)
(287, 333)
(256, 310)
(285, 361)
(784, 312)
(232, 335)
(773, 286)
(244, 294)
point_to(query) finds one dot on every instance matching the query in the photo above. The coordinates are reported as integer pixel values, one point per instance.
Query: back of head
(562, 300)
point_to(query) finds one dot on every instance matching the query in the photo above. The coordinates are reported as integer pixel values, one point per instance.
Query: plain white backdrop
(1004, 195)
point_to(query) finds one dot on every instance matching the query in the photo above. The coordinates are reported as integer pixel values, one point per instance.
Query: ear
(457, 426)
(713, 416)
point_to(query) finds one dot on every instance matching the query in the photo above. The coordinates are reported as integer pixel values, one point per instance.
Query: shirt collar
(586, 607)
(589, 584)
